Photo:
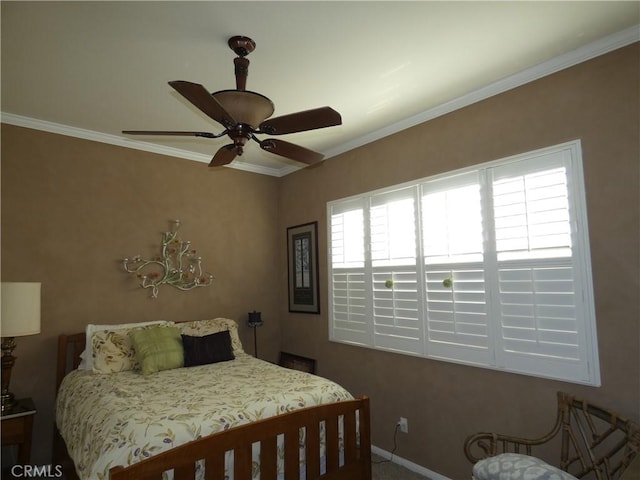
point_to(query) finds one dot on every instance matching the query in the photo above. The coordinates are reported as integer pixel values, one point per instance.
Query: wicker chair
(595, 443)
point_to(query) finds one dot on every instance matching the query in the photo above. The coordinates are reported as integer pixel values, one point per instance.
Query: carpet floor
(385, 470)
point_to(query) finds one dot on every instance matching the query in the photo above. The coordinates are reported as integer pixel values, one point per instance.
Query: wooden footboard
(347, 441)
(346, 460)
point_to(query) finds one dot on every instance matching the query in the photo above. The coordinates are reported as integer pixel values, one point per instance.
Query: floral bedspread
(122, 418)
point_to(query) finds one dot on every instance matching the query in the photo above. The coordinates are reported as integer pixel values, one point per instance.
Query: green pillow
(158, 348)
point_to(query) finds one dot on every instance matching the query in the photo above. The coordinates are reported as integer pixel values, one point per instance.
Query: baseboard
(414, 467)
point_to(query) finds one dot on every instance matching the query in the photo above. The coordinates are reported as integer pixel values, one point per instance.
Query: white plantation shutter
(347, 235)
(540, 287)
(488, 266)
(349, 307)
(397, 325)
(347, 279)
(452, 219)
(542, 331)
(531, 208)
(538, 311)
(456, 316)
(392, 227)
(456, 297)
(394, 276)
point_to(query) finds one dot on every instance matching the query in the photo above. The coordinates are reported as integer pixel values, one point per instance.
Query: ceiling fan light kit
(245, 114)
(245, 107)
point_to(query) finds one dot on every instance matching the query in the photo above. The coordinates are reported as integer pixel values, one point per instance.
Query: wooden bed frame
(355, 445)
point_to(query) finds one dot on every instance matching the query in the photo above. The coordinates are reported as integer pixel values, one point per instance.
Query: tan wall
(597, 102)
(72, 209)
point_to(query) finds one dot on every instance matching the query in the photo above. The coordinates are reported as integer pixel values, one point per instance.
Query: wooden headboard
(69, 349)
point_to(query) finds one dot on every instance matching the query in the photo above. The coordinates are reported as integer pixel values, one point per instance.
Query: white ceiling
(92, 69)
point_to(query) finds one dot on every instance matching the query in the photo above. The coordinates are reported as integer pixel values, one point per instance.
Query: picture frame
(302, 262)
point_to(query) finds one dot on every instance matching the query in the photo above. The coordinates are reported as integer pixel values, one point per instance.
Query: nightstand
(17, 426)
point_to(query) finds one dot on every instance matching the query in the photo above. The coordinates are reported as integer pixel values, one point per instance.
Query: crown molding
(582, 54)
(60, 129)
(595, 49)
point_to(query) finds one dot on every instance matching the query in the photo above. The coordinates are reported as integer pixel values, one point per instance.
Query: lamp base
(8, 402)
(8, 360)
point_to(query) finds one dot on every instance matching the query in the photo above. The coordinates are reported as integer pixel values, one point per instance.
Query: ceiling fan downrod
(243, 46)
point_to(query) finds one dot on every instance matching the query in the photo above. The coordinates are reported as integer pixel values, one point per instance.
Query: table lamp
(20, 310)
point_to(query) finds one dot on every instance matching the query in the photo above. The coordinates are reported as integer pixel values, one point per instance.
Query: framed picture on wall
(302, 259)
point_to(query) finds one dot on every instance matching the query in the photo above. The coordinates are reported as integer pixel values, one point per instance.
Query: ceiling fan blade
(224, 155)
(201, 98)
(165, 132)
(289, 150)
(299, 122)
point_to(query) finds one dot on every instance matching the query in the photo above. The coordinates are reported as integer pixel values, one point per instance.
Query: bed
(236, 419)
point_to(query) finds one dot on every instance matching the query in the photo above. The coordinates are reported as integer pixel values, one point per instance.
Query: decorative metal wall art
(177, 265)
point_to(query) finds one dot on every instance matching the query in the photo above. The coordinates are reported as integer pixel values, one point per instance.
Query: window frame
(587, 368)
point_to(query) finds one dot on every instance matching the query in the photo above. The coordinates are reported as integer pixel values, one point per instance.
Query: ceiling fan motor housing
(240, 134)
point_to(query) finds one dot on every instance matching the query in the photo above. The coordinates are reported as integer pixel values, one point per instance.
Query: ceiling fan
(244, 114)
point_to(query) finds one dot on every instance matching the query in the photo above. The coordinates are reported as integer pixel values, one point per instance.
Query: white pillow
(87, 355)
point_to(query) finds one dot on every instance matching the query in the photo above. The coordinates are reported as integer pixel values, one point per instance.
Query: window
(487, 266)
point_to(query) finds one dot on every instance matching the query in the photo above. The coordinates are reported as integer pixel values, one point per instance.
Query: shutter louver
(452, 220)
(392, 227)
(531, 214)
(538, 311)
(397, 323)
(457, 324)
(349, 306)
(347, 238)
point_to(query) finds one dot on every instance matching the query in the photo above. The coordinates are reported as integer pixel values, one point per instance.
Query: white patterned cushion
(88, 354)
(113, 350)
(514, 466)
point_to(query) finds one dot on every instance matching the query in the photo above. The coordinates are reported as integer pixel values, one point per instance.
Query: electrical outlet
(403, 423)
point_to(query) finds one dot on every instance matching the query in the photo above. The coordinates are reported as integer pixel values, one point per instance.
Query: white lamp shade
(20, 306)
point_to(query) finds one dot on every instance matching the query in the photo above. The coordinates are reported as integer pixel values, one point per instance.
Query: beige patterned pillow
(113, 351)
(200, 328)
(87, 355)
